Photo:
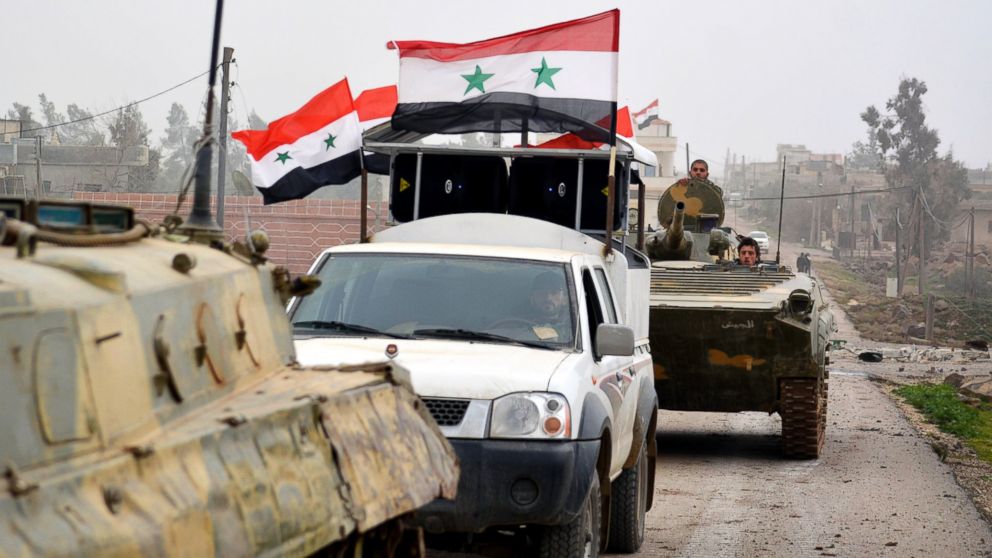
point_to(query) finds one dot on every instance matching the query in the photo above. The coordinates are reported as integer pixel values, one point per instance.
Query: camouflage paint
(154, 410)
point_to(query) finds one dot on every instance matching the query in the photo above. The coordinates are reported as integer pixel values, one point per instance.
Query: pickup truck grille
(447, 412)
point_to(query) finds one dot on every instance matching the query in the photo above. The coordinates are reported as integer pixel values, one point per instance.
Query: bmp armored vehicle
(727, 337)
(152, 405)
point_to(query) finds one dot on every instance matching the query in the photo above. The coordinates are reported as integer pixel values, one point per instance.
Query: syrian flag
(558, 78)
(647, 115)
(319, 144)
(374, 107)
(572, 141)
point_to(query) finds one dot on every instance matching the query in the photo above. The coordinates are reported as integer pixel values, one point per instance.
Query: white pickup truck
(529, 348)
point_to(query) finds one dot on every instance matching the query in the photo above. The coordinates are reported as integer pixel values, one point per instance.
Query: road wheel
(580, 537)
(804, 417)
(629, 503)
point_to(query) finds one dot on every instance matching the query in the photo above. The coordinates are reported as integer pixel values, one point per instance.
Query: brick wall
(299, 230)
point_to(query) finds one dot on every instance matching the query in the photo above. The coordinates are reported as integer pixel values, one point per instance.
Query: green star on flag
(282, 157)
(476, 80)
(544, 74)
(330, 141)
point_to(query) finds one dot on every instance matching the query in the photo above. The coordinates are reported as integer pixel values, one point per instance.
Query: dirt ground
(973, 474)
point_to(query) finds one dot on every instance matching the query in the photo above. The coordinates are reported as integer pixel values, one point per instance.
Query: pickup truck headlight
(531, 415)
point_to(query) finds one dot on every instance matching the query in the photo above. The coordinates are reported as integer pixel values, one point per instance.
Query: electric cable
(122, 107)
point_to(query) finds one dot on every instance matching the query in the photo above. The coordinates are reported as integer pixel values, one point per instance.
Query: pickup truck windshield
(427, 296)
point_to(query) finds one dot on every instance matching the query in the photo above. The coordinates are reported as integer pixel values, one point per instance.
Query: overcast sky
(737, 75)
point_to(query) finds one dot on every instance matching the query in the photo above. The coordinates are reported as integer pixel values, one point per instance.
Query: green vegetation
(941, 405)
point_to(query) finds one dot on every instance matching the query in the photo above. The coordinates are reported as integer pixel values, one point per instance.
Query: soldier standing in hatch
(699, 169)
(748, 252)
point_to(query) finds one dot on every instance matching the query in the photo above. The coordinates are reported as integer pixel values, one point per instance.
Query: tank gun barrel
(676, 231)
(674, 243)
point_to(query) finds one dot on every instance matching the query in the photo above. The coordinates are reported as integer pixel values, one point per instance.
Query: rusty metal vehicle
(726, 337)
(152, 404)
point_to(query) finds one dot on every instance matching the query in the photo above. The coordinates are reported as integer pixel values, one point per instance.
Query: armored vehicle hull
(152, 405)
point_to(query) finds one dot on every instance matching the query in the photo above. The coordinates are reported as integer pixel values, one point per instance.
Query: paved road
(877, 490)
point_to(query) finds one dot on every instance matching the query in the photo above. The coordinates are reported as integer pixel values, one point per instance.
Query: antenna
(781, 202)
(200, 224)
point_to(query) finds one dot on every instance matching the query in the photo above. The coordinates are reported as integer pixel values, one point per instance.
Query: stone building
(62, 169)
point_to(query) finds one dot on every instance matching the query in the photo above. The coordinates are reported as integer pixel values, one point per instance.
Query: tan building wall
(658, 138)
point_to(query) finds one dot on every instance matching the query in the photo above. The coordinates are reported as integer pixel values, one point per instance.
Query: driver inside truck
(548, 300)
(748, 252)
(548, 311)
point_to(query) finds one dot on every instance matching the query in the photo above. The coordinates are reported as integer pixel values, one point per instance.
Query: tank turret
(691, 212)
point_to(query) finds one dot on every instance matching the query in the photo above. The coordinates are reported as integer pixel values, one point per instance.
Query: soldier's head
(547, 294)
(748, 251)
(699, 169)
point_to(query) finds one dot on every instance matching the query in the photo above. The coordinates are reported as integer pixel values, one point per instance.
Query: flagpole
(611, 180)
(363, 213)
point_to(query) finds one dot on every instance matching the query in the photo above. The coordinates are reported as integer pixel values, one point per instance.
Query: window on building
(650, 171)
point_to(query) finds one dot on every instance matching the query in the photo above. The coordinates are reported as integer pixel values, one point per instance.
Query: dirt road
(722, 488)
(878, 489)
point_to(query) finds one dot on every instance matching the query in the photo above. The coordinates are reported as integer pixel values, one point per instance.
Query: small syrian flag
(572, 141)
(374, 107)
(647, 115)
(319, 144)
(558, 78)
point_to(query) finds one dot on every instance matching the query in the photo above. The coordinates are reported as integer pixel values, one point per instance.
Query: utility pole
(871, 231)
(854, 239)
(970, 258)
(898, 255)
(812, 224)
(923, 249)
(225, 91)
(687, 165)
(37, 169)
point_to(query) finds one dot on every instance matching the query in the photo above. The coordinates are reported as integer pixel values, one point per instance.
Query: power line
(837, 195)
(93, 116)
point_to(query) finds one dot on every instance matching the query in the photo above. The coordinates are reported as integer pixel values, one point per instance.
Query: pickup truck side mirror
(614, 340)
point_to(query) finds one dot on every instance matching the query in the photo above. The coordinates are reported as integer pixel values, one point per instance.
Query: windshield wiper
(346, 327)
(478, 335)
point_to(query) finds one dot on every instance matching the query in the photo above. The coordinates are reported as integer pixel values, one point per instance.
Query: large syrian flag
(558, 78)
(646, 115)
(317, 145)
(376, 106)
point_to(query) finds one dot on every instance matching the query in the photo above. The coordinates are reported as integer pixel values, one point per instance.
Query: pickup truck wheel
(629, 502)
(580, 537)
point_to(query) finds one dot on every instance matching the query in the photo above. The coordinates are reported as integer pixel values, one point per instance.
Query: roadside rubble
(914, 353)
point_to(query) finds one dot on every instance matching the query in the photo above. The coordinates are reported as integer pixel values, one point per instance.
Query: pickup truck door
(612, 374)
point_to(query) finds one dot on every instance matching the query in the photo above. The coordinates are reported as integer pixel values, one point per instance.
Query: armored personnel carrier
(152, 404)
(726, 337)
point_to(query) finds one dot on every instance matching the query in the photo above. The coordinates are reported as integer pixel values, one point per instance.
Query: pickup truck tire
(629, 502)
(580, 537)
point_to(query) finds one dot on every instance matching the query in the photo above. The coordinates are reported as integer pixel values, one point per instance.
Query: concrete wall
(299, 230)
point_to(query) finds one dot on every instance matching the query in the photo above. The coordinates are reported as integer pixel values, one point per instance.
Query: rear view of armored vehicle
(727, 337)
(152, 403)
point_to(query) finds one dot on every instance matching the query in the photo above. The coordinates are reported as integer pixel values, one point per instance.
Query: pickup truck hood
(443, 368)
